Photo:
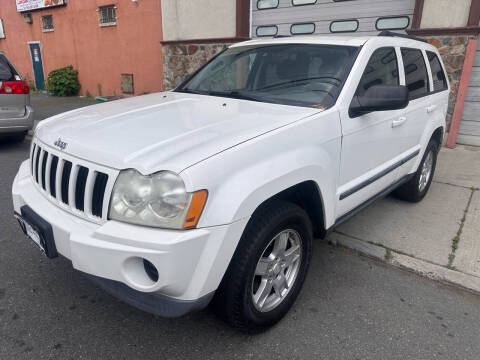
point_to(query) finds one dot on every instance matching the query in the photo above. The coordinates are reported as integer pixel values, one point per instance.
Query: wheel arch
(308, 196)
(437, 135)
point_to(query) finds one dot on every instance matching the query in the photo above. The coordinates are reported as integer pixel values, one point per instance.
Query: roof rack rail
(394, 34)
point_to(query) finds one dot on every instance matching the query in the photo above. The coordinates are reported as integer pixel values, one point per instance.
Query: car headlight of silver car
(158, 200)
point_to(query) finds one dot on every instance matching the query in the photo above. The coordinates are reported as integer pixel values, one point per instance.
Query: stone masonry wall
(181, 60)
(452, 49)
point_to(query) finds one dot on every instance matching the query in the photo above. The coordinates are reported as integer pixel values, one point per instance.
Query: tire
(269, 228)
(19, 137)
(417, 187)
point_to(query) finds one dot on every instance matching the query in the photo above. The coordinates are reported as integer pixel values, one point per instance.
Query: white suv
(214, 191)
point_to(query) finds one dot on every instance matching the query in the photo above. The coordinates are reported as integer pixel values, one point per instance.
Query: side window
(382, 69)
(416, 76)
(438, 76)
(6, 71)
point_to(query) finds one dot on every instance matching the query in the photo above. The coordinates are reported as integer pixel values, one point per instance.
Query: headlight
(159, 200)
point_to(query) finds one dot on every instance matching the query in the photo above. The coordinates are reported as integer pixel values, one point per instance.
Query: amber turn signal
(199, 198)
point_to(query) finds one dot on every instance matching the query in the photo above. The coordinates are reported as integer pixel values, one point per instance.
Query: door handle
(399, 121)
(431, 108)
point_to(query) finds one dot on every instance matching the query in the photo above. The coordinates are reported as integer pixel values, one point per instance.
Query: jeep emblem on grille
(59, 143)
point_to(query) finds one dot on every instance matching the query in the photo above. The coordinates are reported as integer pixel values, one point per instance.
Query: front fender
(243, 177)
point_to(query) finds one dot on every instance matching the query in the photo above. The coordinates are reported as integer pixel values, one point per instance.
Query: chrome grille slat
(32, 158)
(106, 199)
(87, 204)
(37, 159)
(53, 176)
(47, 173)
(58, 180)
(73, 184)
(43, 169)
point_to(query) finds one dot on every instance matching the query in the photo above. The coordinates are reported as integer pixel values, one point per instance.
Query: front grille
(72, 183)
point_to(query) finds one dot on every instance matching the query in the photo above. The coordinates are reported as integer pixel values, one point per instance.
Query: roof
(339, 40)
(309, 39)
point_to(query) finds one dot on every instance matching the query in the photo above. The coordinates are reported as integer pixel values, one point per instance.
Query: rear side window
(416, 76)
(382, 69)
(6, 71)
(438, 75)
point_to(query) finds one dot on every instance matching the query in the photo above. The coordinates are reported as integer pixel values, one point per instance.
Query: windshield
(293, 74)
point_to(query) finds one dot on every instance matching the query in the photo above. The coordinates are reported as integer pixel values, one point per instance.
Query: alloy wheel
(276, 270)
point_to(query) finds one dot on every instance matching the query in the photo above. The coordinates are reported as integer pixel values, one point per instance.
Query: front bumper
(190, 263)
(16, 125)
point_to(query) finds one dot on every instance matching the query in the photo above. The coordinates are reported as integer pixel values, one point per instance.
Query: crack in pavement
(457, 238)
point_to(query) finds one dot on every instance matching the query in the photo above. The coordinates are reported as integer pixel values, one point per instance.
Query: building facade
(114, 44)
(194, 31)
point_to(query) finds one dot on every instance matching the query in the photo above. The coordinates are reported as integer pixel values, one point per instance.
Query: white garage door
(294, 17)
(469, 132)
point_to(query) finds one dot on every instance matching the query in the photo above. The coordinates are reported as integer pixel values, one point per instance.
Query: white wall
(445, 13)
(198, 19)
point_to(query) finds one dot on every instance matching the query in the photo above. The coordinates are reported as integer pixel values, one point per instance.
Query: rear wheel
(268, 268)
(417, 187)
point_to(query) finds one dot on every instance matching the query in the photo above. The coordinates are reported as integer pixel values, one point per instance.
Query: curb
(432, 271)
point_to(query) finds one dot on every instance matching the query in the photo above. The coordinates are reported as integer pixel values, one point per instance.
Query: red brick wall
(101, 54)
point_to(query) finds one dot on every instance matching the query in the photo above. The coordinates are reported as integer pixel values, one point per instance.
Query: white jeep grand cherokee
(214, 191)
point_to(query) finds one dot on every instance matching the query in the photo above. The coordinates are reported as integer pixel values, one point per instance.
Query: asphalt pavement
(351, 307)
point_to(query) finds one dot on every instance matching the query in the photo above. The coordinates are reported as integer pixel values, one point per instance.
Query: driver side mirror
(379, 98)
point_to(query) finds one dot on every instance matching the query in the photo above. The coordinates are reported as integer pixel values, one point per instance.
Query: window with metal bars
(47, 23)
(107, 15)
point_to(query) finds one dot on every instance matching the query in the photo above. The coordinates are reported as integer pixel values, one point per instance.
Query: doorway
(37, 64)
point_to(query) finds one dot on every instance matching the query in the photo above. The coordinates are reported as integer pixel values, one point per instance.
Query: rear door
(420, 109)
(11, 106)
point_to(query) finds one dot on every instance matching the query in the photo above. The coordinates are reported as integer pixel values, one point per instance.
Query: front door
(37, 64)
(370, 141)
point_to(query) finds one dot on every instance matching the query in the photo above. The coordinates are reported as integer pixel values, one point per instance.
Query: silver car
(16, 114)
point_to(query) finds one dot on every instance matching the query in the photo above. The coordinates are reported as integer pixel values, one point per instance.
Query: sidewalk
(438, 237)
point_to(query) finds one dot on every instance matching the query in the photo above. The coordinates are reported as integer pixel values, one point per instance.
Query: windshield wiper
(190, 91)
(234, 94)
(291, 82)
(241, 95)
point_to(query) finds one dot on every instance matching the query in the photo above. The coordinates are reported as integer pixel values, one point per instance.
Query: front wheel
(417, 187)
(268, 268)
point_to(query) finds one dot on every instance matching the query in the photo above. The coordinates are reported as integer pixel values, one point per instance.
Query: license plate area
(38, 230)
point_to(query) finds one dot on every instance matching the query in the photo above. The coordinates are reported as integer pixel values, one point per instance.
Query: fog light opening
(151, 270)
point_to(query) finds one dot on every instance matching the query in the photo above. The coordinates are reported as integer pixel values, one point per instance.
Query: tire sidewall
(295, 221)
(432, 147)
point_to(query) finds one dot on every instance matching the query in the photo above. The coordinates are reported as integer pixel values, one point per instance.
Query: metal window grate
(47, 23)
(108, 15)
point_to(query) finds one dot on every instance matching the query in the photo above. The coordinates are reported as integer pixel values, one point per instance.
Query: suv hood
(163, 131)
